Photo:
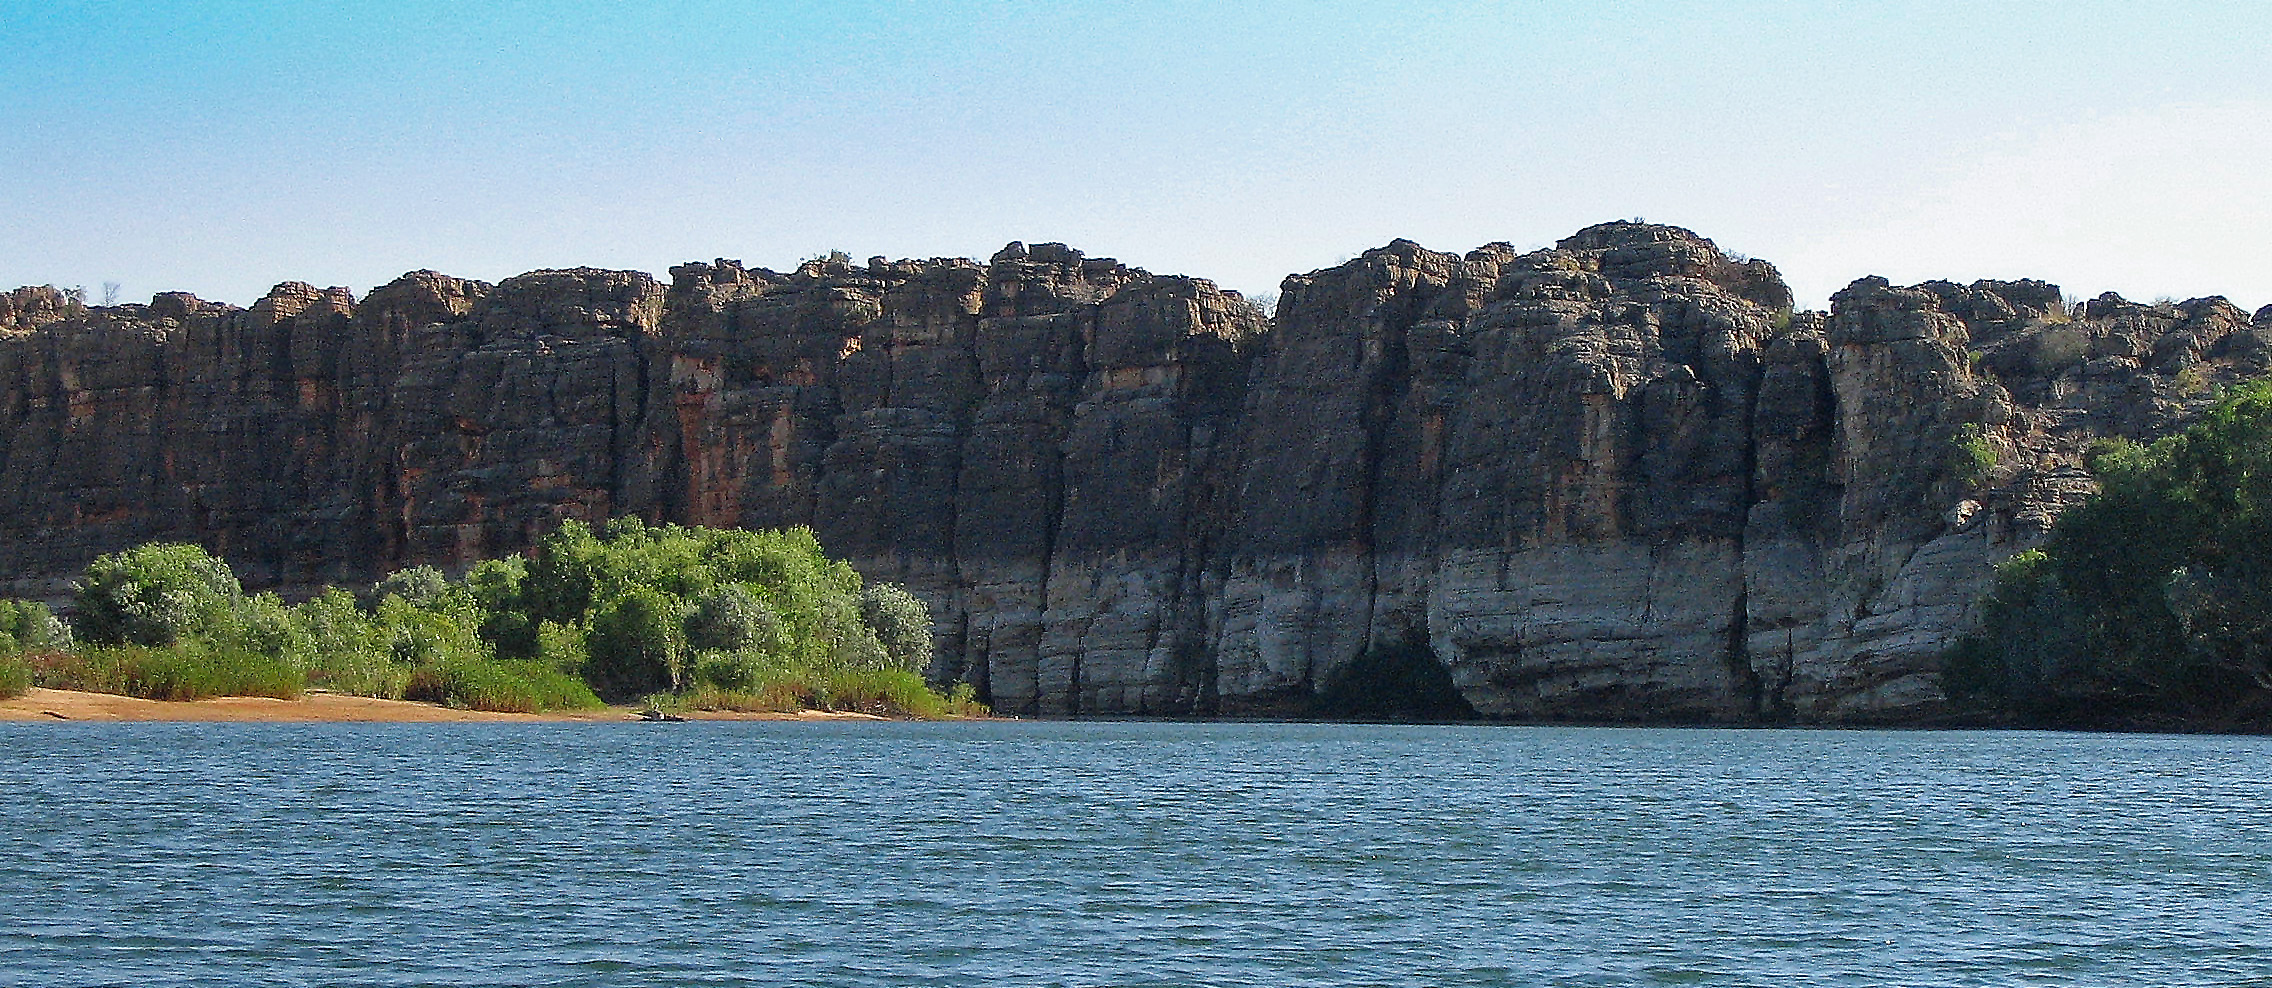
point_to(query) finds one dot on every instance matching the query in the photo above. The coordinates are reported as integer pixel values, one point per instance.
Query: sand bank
(316, 708)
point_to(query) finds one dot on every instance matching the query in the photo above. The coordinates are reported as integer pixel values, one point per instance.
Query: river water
(1115, 854)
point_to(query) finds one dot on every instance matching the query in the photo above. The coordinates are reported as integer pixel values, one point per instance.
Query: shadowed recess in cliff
(1392, 682)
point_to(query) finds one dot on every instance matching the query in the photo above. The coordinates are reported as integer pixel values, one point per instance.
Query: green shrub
(888, 692)
(417, 637)
(636, 644)
(199, 672)
(496, 583)
(632, 609)
(559, 582)
(739, 670)
(575, 572)
(29, 625)
(901, 623)
(423, 587)
(15, 676)
(2038, 633)
(472, 686)
(858, 652)
(89, 669)
(561, 647)
(360, 674)
(729, 618)
(765, 698)
(555, 690)
(345, 649)
(1973, 456)
(153, 594)
(260, 624)
(495, 588)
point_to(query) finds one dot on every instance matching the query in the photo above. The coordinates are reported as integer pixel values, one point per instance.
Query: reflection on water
(1125, 854)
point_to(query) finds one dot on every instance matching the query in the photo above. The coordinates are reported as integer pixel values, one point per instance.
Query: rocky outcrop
(1618, 479)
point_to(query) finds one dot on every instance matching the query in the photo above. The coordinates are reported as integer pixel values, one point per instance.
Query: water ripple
(1125, 854)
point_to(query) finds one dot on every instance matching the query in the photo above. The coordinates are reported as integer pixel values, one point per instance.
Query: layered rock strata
(1614, 480)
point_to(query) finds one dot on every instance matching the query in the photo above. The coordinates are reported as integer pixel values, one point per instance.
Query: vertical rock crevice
(1750, 685)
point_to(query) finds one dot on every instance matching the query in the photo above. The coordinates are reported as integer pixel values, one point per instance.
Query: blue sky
(220, 147)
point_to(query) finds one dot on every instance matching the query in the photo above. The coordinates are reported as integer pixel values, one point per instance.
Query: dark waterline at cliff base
(1617, 480)
(1126, 854)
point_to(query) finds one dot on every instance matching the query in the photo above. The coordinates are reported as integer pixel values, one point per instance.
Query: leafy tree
(901, 622)
(495, 586)
(2155, 596)
(858, 651)
(334, 623)
(348, 651)
(729, 618)
(28, 625)
(414, 636)
(2027, 652)
(153, 594)
(561, 579)
(419, 586)
(261, 625)
(496, 583)
(637, 644)
(15, 674)
(561, 647)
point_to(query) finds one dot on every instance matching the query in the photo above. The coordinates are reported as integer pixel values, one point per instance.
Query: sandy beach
(314, 708)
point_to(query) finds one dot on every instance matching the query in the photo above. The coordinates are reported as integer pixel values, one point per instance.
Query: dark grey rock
(1617, 479)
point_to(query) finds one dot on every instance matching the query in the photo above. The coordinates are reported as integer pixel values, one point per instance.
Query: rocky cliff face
(1614, 480)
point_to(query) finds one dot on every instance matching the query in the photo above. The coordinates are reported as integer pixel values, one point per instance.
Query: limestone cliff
(1614, 480)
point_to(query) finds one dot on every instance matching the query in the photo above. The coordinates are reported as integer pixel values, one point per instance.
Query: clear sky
(221, 146)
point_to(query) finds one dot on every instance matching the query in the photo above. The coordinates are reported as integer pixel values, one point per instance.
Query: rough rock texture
(1614, 480)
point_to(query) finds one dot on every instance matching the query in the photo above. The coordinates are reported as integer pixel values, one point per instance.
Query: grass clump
(772, 688)
(503, 687)
(170, 673)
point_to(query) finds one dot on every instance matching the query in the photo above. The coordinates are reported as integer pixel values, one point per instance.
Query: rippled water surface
(1125, 854)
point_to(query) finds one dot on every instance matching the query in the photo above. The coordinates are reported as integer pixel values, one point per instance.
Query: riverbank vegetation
(2151, 603)
(671, 616)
